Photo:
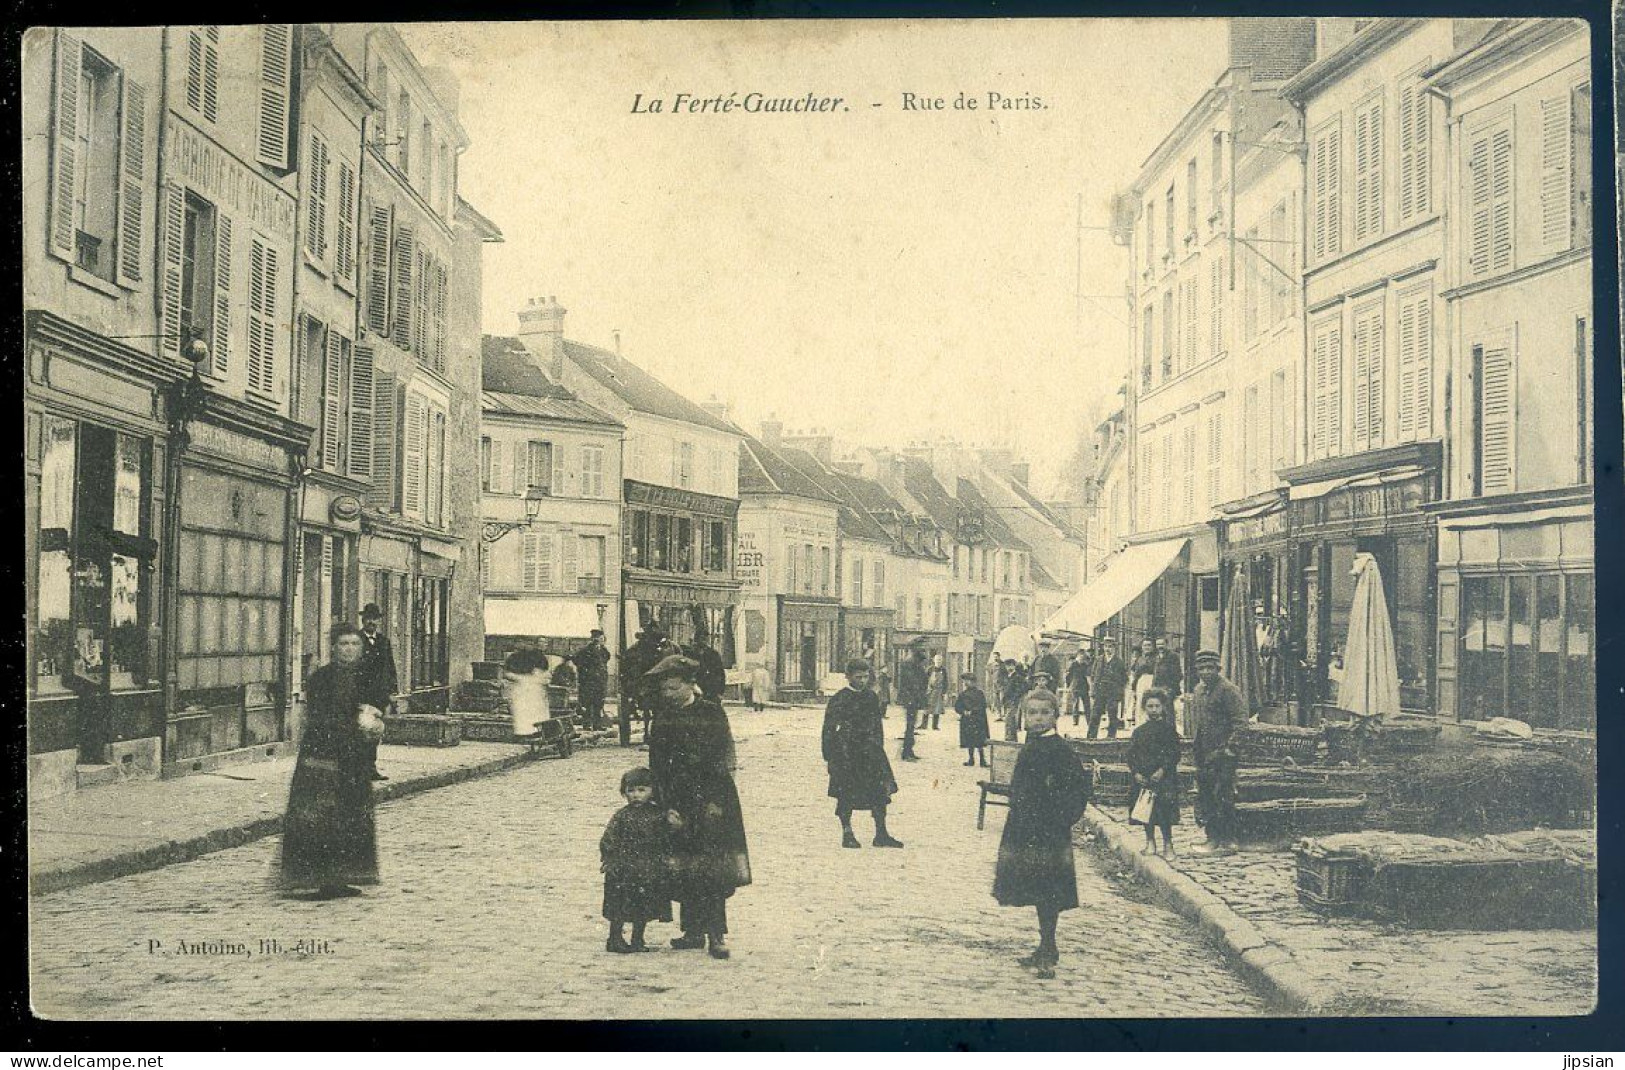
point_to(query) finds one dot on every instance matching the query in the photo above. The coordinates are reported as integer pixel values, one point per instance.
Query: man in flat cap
(378, 663)
(1218, 712)
(854, 743)
(691, 756)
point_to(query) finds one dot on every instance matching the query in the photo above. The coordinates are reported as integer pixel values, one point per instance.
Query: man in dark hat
(691, 756)
(854, 745)
(592, 678)
(1111, 678)
(1218, 712)
(713, 676)
(640, 657)
(911, 695)
(1048, 663)
(378, 663)
(1167, 672)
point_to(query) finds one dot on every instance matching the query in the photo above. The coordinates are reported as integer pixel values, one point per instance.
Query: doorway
(809, 662)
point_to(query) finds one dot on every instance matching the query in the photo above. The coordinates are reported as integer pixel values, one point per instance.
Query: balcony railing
(589, 585)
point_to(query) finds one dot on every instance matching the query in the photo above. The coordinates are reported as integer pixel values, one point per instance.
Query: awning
(554, 618)
(1125, 576)
(1305, 491)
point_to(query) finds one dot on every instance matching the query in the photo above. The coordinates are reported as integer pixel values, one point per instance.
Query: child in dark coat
(971, 705)
(1153, 758)
(637, 853)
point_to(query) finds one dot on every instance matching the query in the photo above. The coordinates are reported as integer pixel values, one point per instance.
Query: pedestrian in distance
(1143, 672)
(592, 679)
(995, 683)
(1015, 689)
(936, 691)
(691, 754)
(636, 860)
(1047, 662)
(1219, 712)
(911, 695)
(1106, 690)
(329, 836)
(1049, 791)
(378, 658)
(971, 705)
(636, 696)
(1168, 672)
(1077, 685)
(713, 676)
(1153, 759)
(854, 748)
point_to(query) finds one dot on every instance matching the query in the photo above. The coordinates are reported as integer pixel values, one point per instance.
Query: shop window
(716, 546)
(659, 541)
(683, 548)
(430, 644)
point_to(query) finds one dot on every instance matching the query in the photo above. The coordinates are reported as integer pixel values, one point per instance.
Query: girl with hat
(854, 746)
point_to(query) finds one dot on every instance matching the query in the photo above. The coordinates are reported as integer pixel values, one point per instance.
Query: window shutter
(386, 426)
(1368, 378)
(316, 217)
(276, 81)
(518, 470)
(401, 252)
(1216, 304)
(223, 297)
(568, 561)
(1368, 172)
(529, 554)
(1215, 450)
(1556, 174)
(1192, 315)
(262, 333)
(1497, 421)
(1415, 365)
(132, 175)
(1328, 180)
(203, 71)
(1415, 153)
(332, 403)
(1501, 197)
(378, 261)
(363, 387)
(1478, 193)
(558, 468)
(344, 237)
(421, 306)
(172, 218)
(1326, 426)
(1188, 481)
(440, 317)
(70, 52)
(412, 477)
(544, 560)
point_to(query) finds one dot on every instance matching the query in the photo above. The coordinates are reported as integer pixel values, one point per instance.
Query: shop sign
(1256, 528)
(344, 508)
(222, 179)
(676, 498)
(676, 595)
(749, 561)
(224, 443)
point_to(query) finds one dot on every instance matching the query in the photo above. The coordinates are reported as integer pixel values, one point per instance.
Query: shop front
(555, 625)
(905, 641)
(1255, 561)
(1378, 509)
(236, 520)
(865, 633)
(94, 460)
(807, 631)
(327, 580)
(681, 607)
(1517, 610)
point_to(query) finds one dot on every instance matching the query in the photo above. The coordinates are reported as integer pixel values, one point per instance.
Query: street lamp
(189, 395)
(493, 530)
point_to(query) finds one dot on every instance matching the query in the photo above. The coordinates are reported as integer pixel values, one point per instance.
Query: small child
(972, 708)
(636, 852)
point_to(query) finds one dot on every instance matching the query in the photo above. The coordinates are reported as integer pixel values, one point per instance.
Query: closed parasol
(1015, 643)
(1238, 647)
(1370, 685)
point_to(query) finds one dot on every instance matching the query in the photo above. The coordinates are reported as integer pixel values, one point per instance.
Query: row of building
(612, 501)
(257, 395)
(1360, 275)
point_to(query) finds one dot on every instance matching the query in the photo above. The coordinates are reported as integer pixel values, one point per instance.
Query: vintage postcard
(811, 519)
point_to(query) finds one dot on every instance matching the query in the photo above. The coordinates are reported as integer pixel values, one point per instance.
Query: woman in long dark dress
(691, 754)
(971, 705)
(854, 748)
(329, 839)
(1049, 791)
(1153, 758)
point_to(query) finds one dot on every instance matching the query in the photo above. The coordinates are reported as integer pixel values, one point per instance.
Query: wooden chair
(1001, 763)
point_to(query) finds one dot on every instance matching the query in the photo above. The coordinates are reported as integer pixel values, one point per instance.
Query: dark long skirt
(329, 836)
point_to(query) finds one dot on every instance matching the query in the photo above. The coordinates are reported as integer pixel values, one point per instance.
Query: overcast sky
(890, 275)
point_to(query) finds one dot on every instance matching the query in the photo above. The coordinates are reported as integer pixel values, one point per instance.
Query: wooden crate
(423, 730)
(1264, 744)
(1330, 881)
(1283, 820)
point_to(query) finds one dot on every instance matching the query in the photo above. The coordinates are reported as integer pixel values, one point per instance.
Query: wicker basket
(1264, 744)
(1489, 891)
(423, 730)
(1331, 881)
(1288, 819)
(1403, 740)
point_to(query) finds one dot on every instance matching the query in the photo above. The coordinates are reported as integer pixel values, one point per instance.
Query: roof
(1365, 42)
(1041, 576)
(507, 367)
(855, 520)
(993, 525)
(642, 391)
(923, 487)
(565, 409)
(1020, 491)
(487, 230)
(763, 471)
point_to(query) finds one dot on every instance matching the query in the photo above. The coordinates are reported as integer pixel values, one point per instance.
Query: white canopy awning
(554, 618)
(1125, 576)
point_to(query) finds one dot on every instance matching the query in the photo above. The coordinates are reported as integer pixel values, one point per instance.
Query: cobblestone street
(490, 908)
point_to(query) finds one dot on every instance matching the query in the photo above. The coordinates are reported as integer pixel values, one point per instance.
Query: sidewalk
(101, 833)
(1338, 965)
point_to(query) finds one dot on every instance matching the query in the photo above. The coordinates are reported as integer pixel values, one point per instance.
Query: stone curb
(1269, 966)
(59, 879)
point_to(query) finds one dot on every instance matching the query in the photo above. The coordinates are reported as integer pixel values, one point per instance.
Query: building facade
(1516, 587)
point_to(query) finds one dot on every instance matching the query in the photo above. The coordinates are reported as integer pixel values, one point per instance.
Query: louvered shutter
(528, 553)
(568, 561)
(1368, 378)
(1326, 426)
(263, 272)
(1478, 205)
(1215, 452)
(1422, 391)
(421, 306)
(386, 436)
(345, 236)
(401, 252)
(1501, 252)
(332, 402)
(544, 560)
(1497, 421)
(203, 71)
(558, 468)
(1188, 480)
(1368, 172)
(132, 179)
(1216, 305)
(440, 317)
(1192, 314)
(1556, 174)
(316, 198)
(1415, 152)
(172, 218)
(379, 226)
(413, 460)
(501, 482)
(224, 300)
(65, 160)
(276, 81)
(363, 387)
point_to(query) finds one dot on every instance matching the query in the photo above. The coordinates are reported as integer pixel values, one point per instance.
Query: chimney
(772, 431)
(713, 405)
(818, 442)
(541, 330)
(616, 334)
(1274, 49)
